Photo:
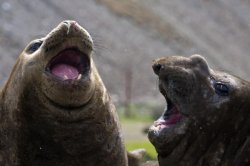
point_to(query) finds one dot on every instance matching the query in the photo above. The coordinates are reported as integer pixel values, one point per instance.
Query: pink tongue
(174, 119)
(65, 71)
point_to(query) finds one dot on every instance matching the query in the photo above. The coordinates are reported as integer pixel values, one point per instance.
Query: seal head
(65, 54)
(55, 107)
(203, 107)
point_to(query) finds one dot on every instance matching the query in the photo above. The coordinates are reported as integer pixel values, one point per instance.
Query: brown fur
(215, 129)
(48, 121)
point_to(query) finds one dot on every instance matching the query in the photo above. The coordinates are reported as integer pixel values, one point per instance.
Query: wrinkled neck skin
(225, 142)
(43, 133)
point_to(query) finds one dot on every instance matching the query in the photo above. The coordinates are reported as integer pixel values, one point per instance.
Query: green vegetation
(135, 126)
(142, 144)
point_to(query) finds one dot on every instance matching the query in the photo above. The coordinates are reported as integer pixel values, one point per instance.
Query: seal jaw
(171, 119)
(67, 51)
(69, 64)
(171, 116)
(67, 68)
(169, 128)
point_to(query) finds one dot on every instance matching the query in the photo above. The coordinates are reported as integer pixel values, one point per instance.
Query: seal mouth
(69, 64)
(171, 116)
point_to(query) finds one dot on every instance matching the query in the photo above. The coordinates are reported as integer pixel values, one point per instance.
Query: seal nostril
(69, 22)
(157, 67)
(66, 22)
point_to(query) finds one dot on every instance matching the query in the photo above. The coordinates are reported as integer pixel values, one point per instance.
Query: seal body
(207, 117)
(55, 109)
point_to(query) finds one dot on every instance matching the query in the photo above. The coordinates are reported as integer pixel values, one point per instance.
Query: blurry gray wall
(129, 34)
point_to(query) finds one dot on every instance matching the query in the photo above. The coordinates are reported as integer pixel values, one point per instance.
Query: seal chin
(69, 64)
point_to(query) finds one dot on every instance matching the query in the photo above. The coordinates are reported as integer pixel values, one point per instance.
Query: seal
(207, 117)
(55, 109)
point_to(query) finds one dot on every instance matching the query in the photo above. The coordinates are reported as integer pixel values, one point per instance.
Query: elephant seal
(55, 109)
(207, 117)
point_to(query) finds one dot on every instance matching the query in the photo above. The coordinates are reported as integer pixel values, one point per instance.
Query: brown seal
(55, 109)
(207, 118)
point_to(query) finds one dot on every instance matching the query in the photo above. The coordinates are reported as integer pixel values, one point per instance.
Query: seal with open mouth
(207, 117)
(55, 109)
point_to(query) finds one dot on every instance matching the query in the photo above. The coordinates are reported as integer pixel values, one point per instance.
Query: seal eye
(221, 89)
(34, 46)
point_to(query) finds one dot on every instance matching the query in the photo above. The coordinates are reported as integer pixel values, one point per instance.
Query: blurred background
(128, 35)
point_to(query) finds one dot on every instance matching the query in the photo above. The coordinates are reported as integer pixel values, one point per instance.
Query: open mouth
(170, 117)
(69, 64)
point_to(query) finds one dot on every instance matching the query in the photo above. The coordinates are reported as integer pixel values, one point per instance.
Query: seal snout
(68, 50)
(71, 26)
(68, 34)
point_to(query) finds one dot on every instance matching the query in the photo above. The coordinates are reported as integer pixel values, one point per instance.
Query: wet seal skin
(55, 110)
(207, 117)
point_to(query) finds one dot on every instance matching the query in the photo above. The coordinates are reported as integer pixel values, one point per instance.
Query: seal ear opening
(200, 62)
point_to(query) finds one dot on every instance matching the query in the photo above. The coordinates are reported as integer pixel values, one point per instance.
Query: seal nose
(71, 25)
(69, 22)
(66, 22)
(157, 67)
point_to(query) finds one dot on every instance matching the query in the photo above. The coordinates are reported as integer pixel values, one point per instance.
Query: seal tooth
(79, 77)
(68, 28)
(65, 77)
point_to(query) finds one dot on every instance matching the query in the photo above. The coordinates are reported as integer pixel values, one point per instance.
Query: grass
(144, 144)
(133, 126)
(135, 119)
